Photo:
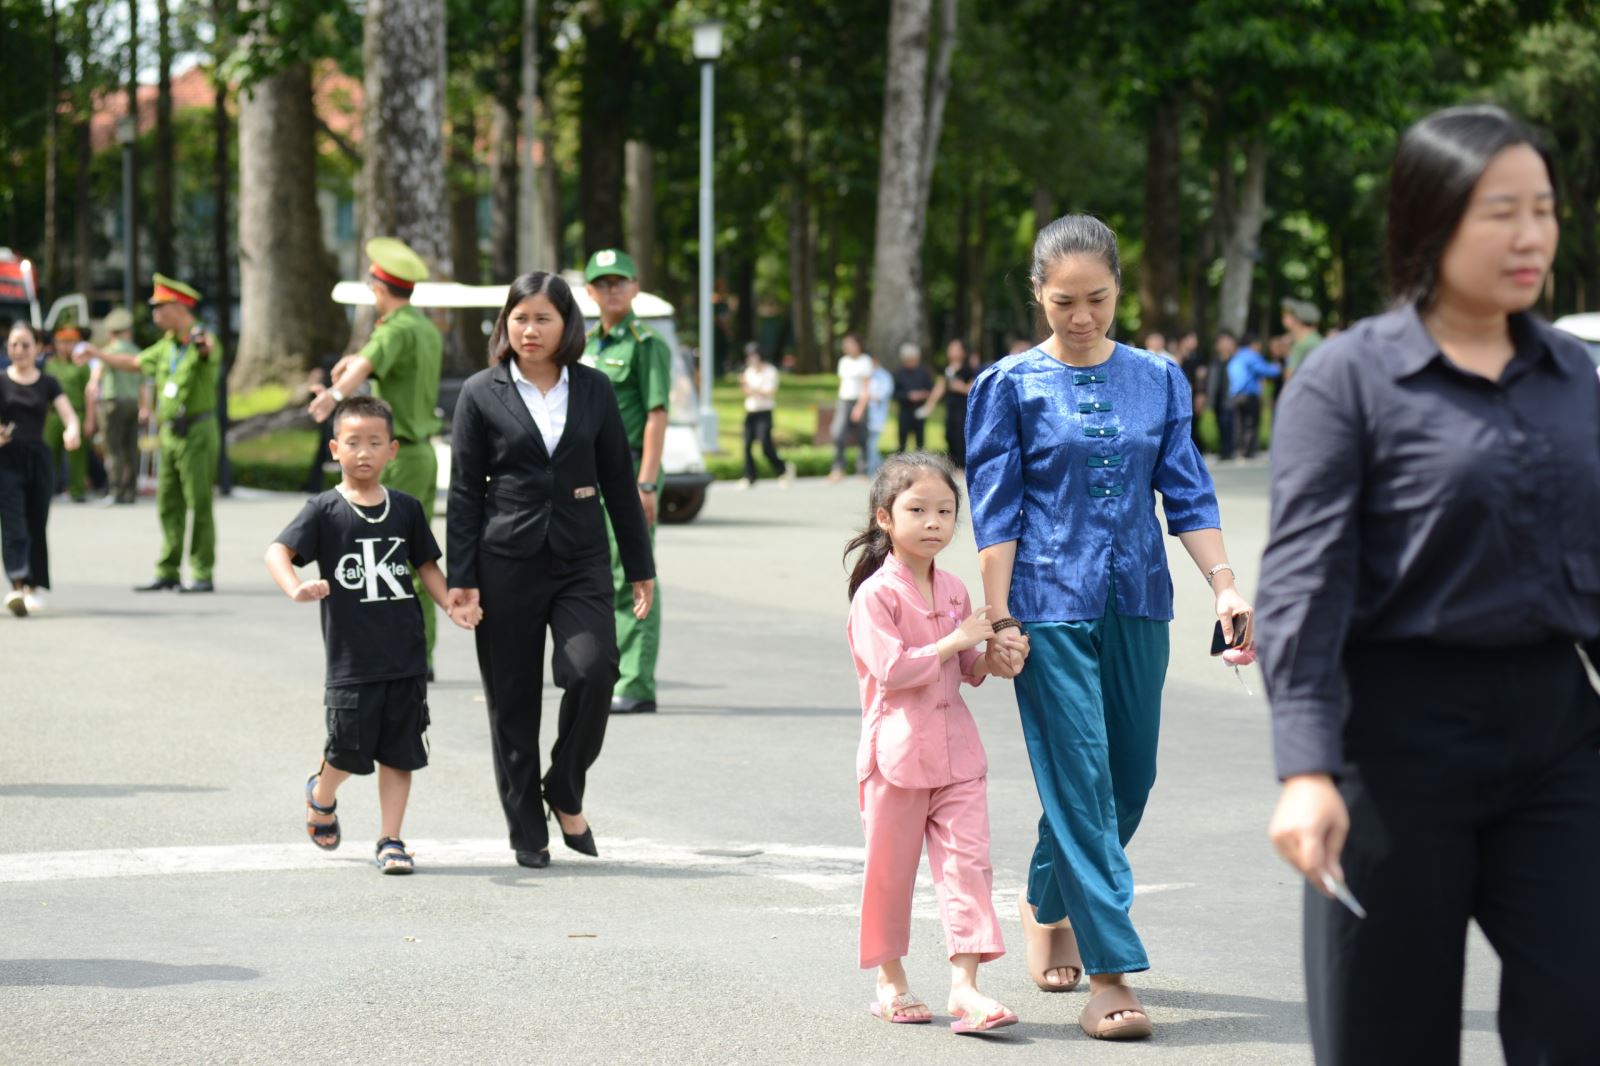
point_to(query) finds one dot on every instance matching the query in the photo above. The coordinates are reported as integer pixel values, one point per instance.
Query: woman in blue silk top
(1067, 445)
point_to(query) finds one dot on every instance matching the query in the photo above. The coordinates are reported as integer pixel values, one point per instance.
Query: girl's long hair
(897, 474)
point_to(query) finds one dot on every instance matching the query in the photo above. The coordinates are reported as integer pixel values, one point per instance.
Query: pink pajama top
(915, 727)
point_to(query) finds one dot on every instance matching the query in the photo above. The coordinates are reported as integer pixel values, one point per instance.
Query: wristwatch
(647, 486)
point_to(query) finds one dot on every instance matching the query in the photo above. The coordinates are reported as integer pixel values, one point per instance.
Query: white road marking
(824, 869)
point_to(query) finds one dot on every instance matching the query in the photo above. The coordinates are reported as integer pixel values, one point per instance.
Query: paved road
(160, 903)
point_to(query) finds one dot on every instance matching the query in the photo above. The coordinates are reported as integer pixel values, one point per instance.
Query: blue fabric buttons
(1091, 377)
(1103, 492)
(1100, 431)
(1102, 462)
(1092, 406)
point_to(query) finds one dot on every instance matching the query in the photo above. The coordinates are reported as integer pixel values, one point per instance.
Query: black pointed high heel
(583, 843)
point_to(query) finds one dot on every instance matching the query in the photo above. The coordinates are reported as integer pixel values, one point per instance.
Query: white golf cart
(683, 468)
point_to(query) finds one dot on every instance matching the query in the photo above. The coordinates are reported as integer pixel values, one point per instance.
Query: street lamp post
(127, 134)
(707, 47)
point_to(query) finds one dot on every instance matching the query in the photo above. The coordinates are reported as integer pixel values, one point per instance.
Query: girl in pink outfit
(921, 766)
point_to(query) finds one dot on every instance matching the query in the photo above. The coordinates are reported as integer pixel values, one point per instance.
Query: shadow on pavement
(114, 973)
(69, 791)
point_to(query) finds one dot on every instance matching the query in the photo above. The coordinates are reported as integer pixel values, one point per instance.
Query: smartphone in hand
(1219, 642)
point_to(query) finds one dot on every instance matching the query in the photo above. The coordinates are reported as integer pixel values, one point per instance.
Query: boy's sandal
(975, 1024)
(1096, 1017)
(902, 1004)
(1049, 948)
(393, 858)
(320, 833)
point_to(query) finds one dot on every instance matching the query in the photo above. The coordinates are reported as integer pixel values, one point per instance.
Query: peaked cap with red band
(168, 291)
(394, 263)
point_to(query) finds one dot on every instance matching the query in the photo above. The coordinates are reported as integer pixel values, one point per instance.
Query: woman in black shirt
(1430, 583)
(27, 395)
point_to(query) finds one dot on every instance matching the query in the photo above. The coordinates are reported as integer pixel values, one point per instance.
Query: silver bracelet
(1215, 570)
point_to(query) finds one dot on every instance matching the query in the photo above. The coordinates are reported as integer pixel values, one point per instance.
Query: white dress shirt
(549, 409)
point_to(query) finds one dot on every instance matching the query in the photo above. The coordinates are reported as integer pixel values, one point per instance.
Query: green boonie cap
(395, 258)
(168, 290)
(118, 320)
(610, 262)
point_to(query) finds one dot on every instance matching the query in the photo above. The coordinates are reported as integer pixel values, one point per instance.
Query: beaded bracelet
(1008, 623)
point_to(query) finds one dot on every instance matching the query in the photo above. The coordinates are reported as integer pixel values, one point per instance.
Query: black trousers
(758, 429)
(1474, 792)
(955, 435)
(27, 481)
(912, 428)
(1247, 424)
(522, 598)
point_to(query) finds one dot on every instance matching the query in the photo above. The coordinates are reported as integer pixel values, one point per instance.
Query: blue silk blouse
(1066, 461)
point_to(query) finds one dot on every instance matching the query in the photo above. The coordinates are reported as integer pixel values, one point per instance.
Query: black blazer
(510, 497)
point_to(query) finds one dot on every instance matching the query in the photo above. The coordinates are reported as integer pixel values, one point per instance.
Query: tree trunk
(464, 221)
(82, 207)
(221, 179)
(550, 193)
(535, 239)
(829, 280)
(1044, 212)
(977, 258)
(641, 181)
(1159, 305)
(52, 155)
(131, 225)
(166, 255)
(504, 163)
(402, 181)
(802, 271)
(287, 321)
(1244, 233)
(897, 299)
(610, 63)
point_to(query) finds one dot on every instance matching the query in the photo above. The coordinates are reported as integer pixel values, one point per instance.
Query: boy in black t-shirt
(366, 540)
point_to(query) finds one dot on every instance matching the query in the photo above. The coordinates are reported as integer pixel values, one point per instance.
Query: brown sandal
(1049, 948)
(1118, 999)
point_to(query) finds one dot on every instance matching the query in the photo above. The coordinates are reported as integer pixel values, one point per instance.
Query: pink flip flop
(897, 1006)
(978, 1024)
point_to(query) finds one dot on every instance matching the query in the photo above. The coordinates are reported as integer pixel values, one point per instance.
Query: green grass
(263, 401)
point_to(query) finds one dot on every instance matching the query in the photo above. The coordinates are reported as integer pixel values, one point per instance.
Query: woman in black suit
(539, 451)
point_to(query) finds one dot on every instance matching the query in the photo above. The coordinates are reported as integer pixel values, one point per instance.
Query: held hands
(975, 630)
(644, 595)
(1309, 827)
(1008, 651)
(464, 608)
(310, 592)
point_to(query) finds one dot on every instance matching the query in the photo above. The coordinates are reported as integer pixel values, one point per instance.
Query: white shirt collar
(516, 375)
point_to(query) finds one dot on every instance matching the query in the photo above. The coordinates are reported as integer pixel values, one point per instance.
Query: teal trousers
(1090, 698)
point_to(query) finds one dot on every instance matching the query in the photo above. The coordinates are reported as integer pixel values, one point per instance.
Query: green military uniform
(119, 409)
(74, 381)
(407, 355)
(639, 364)
(186, 374)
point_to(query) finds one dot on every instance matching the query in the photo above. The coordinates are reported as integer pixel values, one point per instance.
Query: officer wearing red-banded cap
(403, 359)
(186, 364)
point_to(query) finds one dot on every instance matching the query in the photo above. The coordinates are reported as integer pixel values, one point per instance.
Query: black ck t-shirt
(371, 619)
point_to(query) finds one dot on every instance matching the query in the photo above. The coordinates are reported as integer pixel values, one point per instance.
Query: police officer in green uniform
(403, 358)
(70, 366)
(639, 364)
(186, 364)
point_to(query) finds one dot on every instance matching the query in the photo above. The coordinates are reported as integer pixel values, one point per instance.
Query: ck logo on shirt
(365, 571)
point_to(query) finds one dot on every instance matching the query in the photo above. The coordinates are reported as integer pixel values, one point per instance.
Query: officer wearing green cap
(403, 358)
(639, 364)
(186, 364)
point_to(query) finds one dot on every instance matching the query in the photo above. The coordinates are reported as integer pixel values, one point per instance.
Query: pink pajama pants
(954, 819)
